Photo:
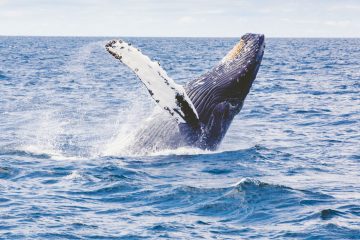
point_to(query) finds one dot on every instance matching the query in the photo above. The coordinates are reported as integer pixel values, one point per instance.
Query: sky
(183, 18)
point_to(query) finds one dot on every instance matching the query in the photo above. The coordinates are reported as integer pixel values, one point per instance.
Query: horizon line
(134, 36)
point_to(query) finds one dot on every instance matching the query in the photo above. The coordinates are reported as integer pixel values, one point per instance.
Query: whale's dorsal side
(167, 94)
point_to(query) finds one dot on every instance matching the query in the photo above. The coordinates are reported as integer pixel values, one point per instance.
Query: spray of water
(75, 123)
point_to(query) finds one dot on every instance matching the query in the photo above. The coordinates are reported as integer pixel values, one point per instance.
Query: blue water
(289, 166)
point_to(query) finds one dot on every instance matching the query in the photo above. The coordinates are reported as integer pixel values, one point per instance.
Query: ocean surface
(289, 166)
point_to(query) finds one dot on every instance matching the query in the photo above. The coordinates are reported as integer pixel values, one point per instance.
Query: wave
(25, 153)
(249, 201)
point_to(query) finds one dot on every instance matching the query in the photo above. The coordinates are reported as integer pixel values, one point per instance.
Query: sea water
(289, 166)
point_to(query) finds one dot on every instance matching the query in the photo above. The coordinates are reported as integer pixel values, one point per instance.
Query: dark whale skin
(218, 95)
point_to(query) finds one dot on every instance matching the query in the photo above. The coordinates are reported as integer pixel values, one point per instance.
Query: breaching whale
(199, 113)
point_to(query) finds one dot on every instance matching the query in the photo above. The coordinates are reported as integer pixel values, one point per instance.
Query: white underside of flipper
(166, 93)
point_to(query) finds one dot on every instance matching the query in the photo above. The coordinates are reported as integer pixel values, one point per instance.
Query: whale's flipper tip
(113, 47)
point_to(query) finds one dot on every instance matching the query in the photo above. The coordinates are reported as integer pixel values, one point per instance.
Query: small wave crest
(43, 152)
(237, 202)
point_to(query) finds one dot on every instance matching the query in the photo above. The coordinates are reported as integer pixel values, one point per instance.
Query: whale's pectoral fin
(170, 96)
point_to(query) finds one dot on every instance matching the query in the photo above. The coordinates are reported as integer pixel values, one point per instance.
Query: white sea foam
(182, 151)
(73, 175)
(125, 128)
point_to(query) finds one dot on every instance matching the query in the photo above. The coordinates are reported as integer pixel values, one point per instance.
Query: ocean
(289, 166)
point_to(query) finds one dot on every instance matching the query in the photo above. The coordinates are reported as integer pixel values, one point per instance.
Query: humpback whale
(199, 113)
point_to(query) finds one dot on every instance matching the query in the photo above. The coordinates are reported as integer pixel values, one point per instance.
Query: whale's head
(219, 94)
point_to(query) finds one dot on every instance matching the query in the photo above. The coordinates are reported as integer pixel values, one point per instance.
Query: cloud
(185, 20)
(265, 10)
(346, 7)
(12, 13)
(338, 23)
(210, 12)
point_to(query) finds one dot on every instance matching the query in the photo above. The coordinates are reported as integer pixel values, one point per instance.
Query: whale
(199, 113)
